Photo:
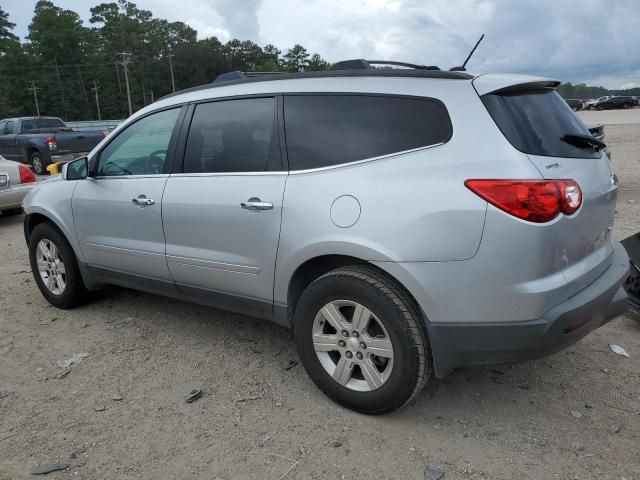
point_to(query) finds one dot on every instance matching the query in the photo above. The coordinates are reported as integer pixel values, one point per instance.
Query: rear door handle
(143, 201)
(255, 204)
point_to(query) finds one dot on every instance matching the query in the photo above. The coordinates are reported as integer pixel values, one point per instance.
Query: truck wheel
(55, 268)
(38, 164)
(362, 340)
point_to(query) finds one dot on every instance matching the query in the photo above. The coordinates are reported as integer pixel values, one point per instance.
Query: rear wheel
(362, 340)
(38, 164)
(55, 268)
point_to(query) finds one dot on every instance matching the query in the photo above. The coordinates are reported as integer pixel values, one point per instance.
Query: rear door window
(535, 122)
(325, 130)
(233, 136)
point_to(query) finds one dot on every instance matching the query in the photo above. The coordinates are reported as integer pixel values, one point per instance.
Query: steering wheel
(154, 162)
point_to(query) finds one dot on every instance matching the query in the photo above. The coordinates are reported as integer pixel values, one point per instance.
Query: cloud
(572, 40)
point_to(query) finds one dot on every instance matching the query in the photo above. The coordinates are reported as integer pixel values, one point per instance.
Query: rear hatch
(538, 122)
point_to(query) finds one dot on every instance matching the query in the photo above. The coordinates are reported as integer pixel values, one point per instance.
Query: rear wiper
(580, 140)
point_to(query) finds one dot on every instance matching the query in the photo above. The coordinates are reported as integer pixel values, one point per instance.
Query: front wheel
(55, 268)
(362, 340)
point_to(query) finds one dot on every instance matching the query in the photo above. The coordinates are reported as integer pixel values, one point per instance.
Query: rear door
(222, 213)
(537, 121)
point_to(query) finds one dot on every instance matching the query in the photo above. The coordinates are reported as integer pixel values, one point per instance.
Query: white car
(16, 180)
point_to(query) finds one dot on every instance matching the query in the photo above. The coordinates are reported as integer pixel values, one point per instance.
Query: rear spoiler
(509, 83)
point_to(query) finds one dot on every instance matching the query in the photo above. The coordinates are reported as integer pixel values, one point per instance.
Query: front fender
(52, 199)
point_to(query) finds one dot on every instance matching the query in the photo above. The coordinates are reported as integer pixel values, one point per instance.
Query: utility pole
(173, 81)
(95, 89)
(35, 89)
(126, 59)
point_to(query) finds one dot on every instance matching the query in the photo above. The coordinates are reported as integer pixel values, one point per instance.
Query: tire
(37, 163)
(74, 292)
(393, 319)
(11, 212)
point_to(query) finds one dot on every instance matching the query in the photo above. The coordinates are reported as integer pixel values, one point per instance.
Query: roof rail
(362, 64)
(238, 75)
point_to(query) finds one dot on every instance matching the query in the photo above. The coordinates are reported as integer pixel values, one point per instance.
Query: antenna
(462, 68)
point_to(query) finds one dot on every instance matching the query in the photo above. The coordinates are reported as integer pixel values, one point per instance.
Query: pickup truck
(40, 141)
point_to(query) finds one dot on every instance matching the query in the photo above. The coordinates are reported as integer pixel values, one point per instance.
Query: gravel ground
(121, 412)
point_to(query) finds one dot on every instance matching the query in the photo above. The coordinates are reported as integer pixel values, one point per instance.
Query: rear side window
(10, 128)
(535, 122)
(47, 124)
(325, 130)
(233, 136)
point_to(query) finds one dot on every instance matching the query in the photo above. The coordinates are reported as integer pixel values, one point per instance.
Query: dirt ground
(121, 411)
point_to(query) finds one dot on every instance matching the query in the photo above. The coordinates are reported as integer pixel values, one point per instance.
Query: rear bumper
(13, 196)
(465, 344)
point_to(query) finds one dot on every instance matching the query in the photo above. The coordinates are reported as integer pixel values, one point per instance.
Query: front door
(222, 214)
(118, 211)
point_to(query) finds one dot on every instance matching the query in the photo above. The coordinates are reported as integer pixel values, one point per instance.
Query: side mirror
(76, 170)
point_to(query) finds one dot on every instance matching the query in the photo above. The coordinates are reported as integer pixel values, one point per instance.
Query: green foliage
(65, 57)
(582, 91)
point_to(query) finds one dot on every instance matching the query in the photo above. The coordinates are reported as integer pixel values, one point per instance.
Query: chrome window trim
(365, 160)
(131, 177)
(309, 170)
(228, 174)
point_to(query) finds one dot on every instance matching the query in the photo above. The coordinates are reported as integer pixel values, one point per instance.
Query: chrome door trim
(213, 265)
(125, 251)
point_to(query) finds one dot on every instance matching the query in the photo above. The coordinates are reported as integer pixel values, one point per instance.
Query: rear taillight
(51, 142)
(26, 175)
(532, 200)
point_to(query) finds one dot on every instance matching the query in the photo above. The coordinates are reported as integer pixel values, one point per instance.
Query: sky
(592, 41)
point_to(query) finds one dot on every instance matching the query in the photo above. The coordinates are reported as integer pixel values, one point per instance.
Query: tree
(317, 63)
(296, 59)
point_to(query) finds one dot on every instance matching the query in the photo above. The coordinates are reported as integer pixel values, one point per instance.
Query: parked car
(39, 141)
(15, 181)
(400, 222)
(575, 104)
(590, 104)
(614, 102)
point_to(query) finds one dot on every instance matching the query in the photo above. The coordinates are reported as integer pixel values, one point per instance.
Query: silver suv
(402, 222)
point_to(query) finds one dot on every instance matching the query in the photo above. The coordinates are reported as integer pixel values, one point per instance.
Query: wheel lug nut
(345, 333)
(363, 345)
(359, 355)
(342, 343)
(349, 354)
(355, 334)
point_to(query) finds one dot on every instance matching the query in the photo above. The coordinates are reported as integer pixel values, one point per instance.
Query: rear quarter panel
(414, 207)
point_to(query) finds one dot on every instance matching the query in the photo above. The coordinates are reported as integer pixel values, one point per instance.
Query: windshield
(536, 121)
(42, 124)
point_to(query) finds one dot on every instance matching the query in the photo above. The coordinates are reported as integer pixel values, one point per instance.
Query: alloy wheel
(352, 345)
(51, 268)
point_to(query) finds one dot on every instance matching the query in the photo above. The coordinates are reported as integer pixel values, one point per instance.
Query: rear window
(534, 122)
(38, 124)
(325, 130)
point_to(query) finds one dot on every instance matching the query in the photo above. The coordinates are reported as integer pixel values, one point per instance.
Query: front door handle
(255, 204)
(143, 201)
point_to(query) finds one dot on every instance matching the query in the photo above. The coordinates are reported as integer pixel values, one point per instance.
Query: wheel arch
(313, 268)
